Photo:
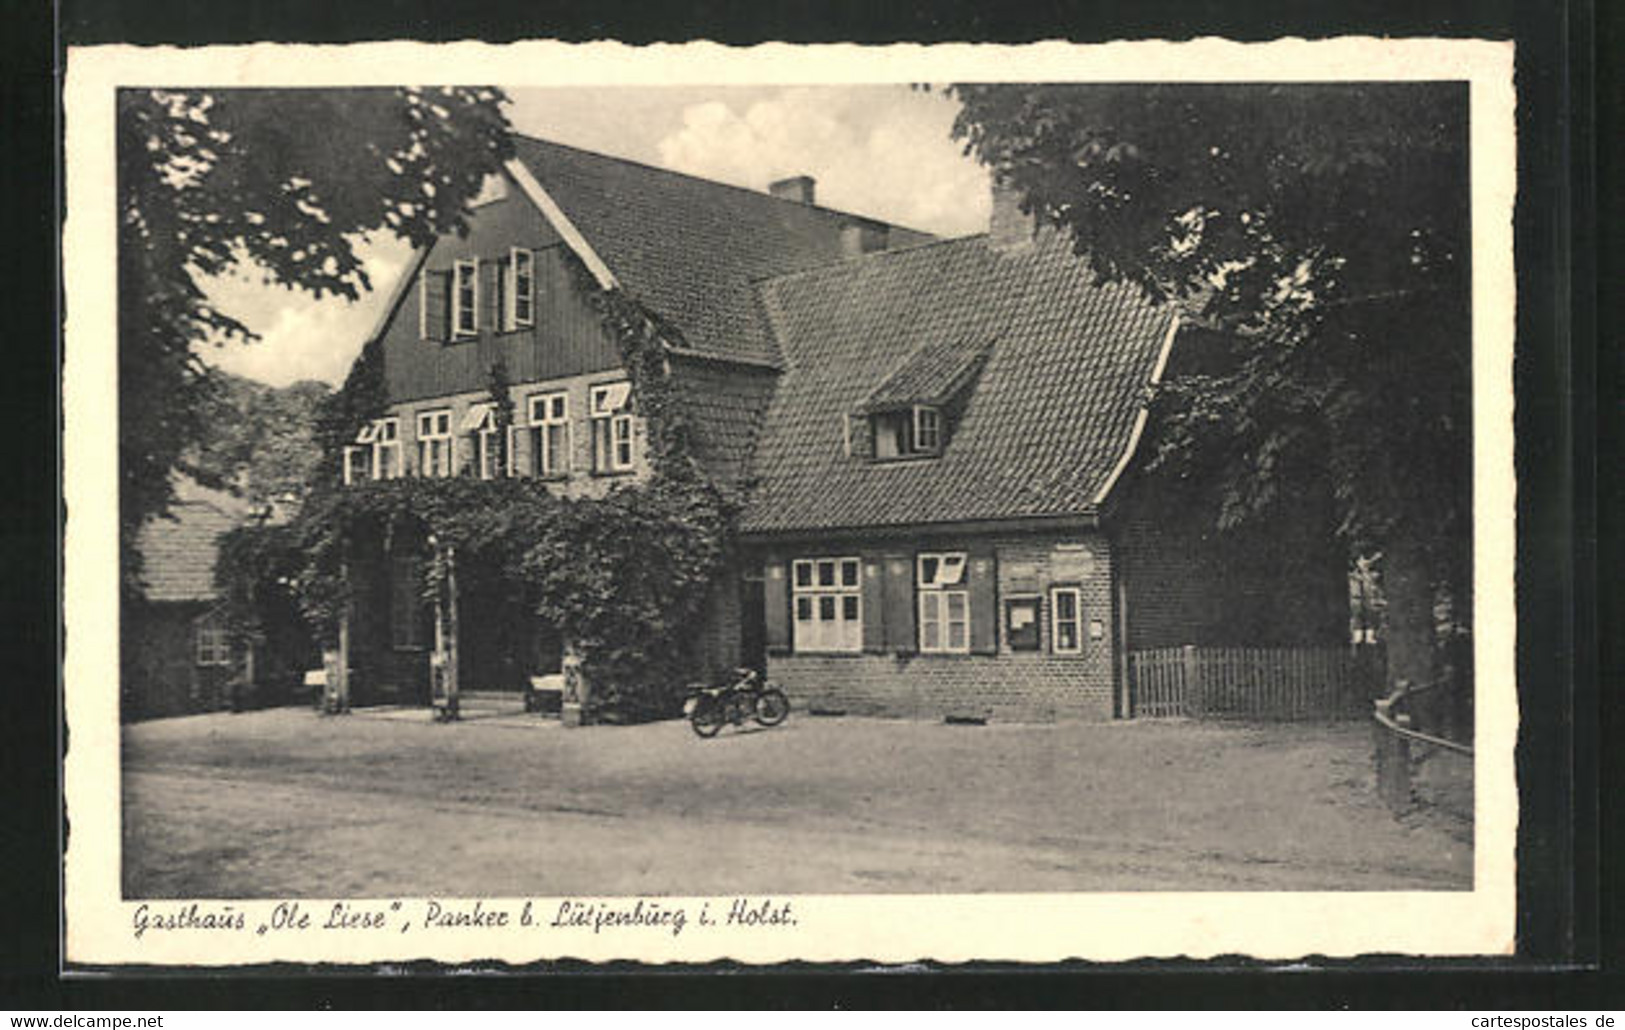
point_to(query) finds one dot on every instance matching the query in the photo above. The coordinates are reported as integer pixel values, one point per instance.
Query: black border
(1558, 391)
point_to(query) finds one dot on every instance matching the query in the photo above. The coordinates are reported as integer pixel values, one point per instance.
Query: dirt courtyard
(287, 803)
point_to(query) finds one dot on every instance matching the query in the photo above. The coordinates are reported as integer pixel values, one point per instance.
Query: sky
(881, 151)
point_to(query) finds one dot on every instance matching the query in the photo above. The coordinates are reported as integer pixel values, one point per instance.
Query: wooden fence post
(1192, 689)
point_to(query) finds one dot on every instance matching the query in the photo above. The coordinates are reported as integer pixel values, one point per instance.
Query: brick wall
(159, 670)
(1007, 685)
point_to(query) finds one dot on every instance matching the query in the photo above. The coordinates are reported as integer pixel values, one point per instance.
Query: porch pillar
(453, 681)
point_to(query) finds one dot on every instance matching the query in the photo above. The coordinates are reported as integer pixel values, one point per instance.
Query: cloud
(878, 151)
(300, 337)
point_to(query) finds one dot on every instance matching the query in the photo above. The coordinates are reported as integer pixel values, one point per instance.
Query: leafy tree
(285, 181)
(1323, 232)
(261, 440)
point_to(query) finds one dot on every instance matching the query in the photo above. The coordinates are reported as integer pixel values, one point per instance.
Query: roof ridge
(749, 191)
(855, 260)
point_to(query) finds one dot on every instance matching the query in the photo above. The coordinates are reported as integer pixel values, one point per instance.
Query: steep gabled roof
(1043, 429)
(688, 247)
(178, 553)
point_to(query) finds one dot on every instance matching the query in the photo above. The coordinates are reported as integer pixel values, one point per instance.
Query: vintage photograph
(752, 491)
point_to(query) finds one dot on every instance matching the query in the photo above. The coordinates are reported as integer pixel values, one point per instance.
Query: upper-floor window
(376, 453)
(548, 423)
(434, 442)
(520, 292)
(944, 603)
(611, 427)
(827, 598)
(907, 432)
(465, 298)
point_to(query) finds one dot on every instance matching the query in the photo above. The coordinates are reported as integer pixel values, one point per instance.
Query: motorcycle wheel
(707, 718)
(772, 707)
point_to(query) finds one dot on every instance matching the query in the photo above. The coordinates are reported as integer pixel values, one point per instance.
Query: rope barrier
(1383, 714)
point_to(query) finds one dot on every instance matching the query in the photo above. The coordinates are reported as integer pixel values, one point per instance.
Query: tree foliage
(261, 441)
(285, 182)
(1323, 233)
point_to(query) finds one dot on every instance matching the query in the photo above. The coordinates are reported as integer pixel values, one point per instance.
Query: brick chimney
(861, 236)
(798, 188)
(1008, 229)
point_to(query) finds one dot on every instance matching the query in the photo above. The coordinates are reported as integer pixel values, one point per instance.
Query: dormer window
(927, 430)
(907, 433)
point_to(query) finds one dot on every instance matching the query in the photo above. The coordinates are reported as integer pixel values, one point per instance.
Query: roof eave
(1084, 518)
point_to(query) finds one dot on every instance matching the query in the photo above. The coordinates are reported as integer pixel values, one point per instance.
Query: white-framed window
(927, 430)
(1066, 620)
(213, 641)
(906, 432)
(549, 427)
(465, 298)
(357, 464)
(944, 602)
(827, 604)
(376, 452)
(521, 289)
(434, 443)
(611, 427)
(480, 425)
(386, 449)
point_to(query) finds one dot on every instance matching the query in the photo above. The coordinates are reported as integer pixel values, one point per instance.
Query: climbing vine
(623, 577)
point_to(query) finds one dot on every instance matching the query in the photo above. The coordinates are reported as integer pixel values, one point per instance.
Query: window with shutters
(611, 425)
(520, 291)
(944, 603)
(548, 424)
(1066, 620)
(827, 604)
(465, 299)
(434, 304)
(434, 443)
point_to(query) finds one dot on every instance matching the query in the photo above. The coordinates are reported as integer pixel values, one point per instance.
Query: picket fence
(1251, 682)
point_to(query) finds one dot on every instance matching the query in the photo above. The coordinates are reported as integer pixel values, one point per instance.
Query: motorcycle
(708, 709)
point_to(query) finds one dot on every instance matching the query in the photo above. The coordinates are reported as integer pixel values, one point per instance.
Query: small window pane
(826, 573)
(956, 606)
(1066, 636)
(956, 636)
(953, 570)
(1066, 605)
(849, 608)
(849, 573)
(826, 609)
(803, 573)
(933, 636)
(804, 609)
(928, 570)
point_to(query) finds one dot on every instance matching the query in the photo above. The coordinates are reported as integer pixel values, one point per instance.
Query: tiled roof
(934, 373)
(178, 552)
(688, 247)
(1048, 419)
